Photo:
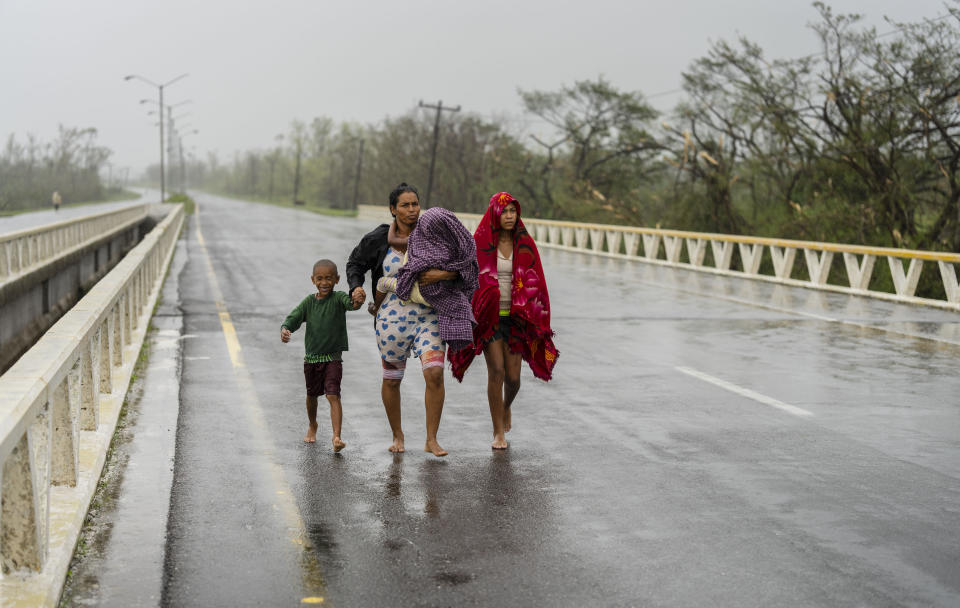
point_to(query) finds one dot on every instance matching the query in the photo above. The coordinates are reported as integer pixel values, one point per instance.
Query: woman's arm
(435, 274)
(363, 258)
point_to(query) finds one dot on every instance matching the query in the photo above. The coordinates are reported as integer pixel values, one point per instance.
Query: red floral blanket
(530, 335)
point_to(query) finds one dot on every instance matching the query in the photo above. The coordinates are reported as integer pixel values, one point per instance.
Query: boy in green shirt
(324, 313)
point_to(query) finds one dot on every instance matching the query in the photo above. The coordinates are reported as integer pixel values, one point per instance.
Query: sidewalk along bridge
(52, 398)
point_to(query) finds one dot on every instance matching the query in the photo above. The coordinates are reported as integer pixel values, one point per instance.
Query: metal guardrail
(24, 250)
(53, 439)
(666, 247)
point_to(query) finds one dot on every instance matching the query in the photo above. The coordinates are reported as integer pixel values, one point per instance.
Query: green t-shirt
(326, 325)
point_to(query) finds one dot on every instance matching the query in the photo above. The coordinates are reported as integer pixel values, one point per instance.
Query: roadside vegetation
(31, 170)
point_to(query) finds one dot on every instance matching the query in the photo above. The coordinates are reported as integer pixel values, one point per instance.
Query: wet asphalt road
(705, 442)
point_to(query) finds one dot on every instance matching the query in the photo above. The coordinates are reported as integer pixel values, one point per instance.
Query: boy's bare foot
(434, 448)
(499, 443)
(397, 446)
(311, 436)
(506, 420)
(338, 444)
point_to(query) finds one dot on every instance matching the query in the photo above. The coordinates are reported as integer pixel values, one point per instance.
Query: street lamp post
(163, 183)
(183, 171)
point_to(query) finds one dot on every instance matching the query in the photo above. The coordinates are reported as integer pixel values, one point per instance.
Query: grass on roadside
(189, 206)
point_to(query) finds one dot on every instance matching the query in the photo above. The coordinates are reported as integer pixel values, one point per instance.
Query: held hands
(284, 335)
(435, 274)
(358, 297)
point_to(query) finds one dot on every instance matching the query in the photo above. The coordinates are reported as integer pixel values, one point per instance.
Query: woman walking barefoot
(403, 329)
(512, 309)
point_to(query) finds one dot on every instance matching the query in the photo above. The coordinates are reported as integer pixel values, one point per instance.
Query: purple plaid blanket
(439, 240)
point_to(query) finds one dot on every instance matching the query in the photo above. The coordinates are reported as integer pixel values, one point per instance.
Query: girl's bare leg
(433, 400)
(511, 382)
(336, 419)
(311, 436)
(390, 393)
(493, 353)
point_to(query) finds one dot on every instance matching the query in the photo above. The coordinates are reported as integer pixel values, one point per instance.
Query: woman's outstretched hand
(435, 274)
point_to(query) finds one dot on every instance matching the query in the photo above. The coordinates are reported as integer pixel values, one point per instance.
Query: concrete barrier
(687, 250)
(44, 271)
(59, 405)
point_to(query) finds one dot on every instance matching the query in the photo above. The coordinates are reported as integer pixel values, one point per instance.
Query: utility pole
(436, 135)
(296, 172)
(169, 141)
(356, 178)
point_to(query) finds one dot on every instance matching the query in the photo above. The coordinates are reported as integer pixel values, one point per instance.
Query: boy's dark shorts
(323, 378)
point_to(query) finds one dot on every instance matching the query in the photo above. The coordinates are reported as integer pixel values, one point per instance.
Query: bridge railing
(59, 404)
(667, 247)
(23, 250)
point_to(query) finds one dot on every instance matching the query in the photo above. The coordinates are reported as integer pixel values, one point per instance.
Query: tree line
(31, 170)
(859, 143)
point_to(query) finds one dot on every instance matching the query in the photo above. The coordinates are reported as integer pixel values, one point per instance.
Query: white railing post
(672, 246)
(631, 243)
(596, 240)
(722, 254)
(25, 515)
(65, 415)
(90, 382)
(818, 266)
(105, 338)
(555, 235)
(859, 272)
(783, 258)
(905, 285)
(117, 331)
(581, 237)
(696, 251)
(751, 255)
(651, 246)
(950, 285)
(613, 240)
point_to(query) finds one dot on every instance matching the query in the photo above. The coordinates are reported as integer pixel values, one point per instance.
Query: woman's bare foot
(506, 420)
(397, 446)
(434, 448)
(311, 436)
(499, 443)
(338, 444)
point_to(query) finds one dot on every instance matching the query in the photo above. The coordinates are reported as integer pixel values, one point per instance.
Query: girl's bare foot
(311, 436)
(499, 443)
(338, 444)
(506, 420)
(434, 448)
(397, 446)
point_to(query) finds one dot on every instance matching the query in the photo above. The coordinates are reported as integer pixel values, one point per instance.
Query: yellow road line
(260, 436)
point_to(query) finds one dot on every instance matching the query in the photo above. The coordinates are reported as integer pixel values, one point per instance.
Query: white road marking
(745, 392)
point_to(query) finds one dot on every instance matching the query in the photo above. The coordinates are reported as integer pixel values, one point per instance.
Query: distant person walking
(56, 200)
(512, 309)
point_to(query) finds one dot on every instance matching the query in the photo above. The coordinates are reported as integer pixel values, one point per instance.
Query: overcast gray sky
(255, 66)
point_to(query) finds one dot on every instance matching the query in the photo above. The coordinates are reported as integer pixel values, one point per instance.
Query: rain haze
(254, 67)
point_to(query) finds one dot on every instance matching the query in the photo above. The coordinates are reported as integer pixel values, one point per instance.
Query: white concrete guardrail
(25, 250)
(59, 405)
(666, 247)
